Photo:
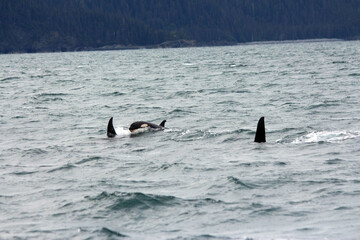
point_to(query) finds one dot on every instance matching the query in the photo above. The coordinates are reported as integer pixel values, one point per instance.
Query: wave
(184, 93)
(241, 183)
(111, 233)
(21, 173)
(327, 136)
(228, 103)
(9, 78)
(113, 94)
(64, 167)
(259, 209)
(52, 94)
(187, 135)
(354, 74)
(140, 201)
(325, 104)
(334, 161)
(180, 112)
(127, 201)
(41, 75)
(89, 159)
(34, 152)
(50, 97)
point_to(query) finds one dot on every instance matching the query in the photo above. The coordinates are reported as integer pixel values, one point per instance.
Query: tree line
(62, 25)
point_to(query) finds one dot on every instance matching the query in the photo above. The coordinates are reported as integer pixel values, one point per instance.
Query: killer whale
(141, 124)
(260, 131)
(260, 135)
(134, 126)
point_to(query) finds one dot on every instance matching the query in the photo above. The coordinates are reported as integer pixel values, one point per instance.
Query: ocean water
(203, 177)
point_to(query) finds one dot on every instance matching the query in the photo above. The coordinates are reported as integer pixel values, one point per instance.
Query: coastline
(182, 43)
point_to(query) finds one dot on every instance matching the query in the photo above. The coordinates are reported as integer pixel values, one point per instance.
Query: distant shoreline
(185, 44)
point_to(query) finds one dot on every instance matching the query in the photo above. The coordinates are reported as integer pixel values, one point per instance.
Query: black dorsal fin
(162, 124)
(260, 131)
(110, 129)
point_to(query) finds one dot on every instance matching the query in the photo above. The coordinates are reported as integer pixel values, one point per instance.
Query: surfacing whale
(134, 126)
(260, 131)
(259, 135)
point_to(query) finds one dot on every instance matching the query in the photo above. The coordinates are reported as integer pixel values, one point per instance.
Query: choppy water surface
(203, 177)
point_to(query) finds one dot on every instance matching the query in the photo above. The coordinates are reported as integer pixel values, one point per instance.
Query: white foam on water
(327, 136)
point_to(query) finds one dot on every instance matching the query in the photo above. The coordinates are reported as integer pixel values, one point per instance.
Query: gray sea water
(201, 178)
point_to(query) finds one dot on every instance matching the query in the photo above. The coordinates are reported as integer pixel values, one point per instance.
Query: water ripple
(128, 201)
(111, 233)
(67, 166)
(241, 183)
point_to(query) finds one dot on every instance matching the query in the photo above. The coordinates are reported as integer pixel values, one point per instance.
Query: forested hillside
(68, 25)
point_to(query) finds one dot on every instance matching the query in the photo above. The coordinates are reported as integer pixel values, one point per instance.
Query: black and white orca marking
(260, 131)
(135, 126)
(141, 124)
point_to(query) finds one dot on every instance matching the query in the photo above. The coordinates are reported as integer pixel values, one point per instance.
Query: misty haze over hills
(52, 25)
